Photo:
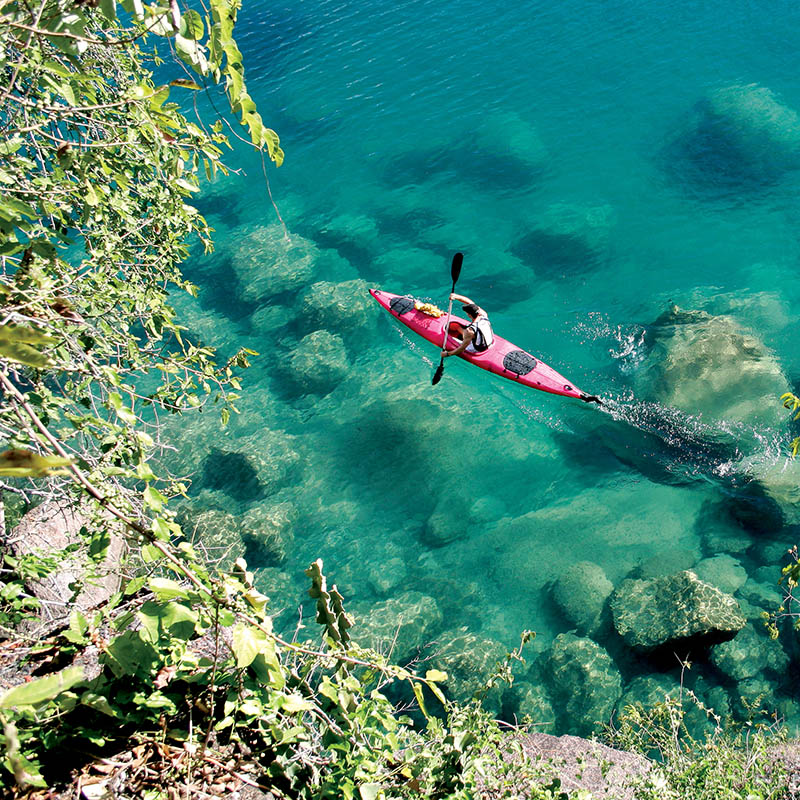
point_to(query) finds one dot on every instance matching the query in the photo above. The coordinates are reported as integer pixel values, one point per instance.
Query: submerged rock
(268, 532)
(586, 684)
(268, 263)
(581, 594)
(674, 611)
(400, 625)
(722, 571)
(469, 659)
(318, 363)
(566, 241)
(339, 307)
(253, 466)
(708, 365)
(214, 532)
(750, 654)
(740, 135)
(531, 700)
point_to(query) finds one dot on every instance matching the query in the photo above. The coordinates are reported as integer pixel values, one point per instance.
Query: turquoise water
(596, 163)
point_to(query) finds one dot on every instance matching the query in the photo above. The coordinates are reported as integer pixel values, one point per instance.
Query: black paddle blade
(437, 376)
(455, 267)
(590, 398)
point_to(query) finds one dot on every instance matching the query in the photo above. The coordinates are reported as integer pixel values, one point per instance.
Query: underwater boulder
(646, 691)
(581, 594)
(339, 307)
(707, 365)
(586, 684)
(268, 532)
(214, 532)
(469, 660)
(526, 699)
(269, 263)
(318, 363)
(673, 611)
(566, 241)
(251, 467)
(399, 626)
(751, 653)
(737, 136)
(269, 320)
(722, 571)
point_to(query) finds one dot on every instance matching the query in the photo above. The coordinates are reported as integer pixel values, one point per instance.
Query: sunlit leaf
(42, 689)
(21, 463)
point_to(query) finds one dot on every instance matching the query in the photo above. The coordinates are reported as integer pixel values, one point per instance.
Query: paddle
(455, 271)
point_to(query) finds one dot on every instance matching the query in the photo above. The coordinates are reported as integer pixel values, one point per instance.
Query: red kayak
(502, 358)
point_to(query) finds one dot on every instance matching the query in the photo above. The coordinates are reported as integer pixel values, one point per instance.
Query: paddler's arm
(464, 299)
(469, 335)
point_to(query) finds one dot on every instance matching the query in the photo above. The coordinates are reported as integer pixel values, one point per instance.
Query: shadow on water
(556, 255)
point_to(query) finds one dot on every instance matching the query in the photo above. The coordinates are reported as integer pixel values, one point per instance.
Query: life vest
(483, 336)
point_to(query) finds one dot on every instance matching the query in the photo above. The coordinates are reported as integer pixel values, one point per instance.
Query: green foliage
(198, 663)
(792, 402)
(725, 765)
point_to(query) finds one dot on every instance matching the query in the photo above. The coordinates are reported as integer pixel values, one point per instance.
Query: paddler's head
(471, 309)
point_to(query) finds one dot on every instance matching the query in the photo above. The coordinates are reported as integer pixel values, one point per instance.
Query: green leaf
(192, 25)
(295, 703)
(417, 687)
(109, 9)
(20, 463)
(42, 689)
(185, 83)
(20, 343)
(369, 791)
(10, 146)
(436, 675)
(166, 589)
(247, 643)
(153, 498)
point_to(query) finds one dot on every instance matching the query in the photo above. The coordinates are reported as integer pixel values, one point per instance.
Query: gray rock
(722, 571)
(469, 659)
(318, 363)
(586, 684)
(674, 610)
(338, 307)
(48, 530)
(581, 594)
(607, 773)
(750, 654)
(400, 625)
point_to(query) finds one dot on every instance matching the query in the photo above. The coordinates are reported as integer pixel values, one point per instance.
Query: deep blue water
(596, 162)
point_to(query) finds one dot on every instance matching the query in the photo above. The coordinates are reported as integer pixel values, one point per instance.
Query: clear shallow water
(566, 150)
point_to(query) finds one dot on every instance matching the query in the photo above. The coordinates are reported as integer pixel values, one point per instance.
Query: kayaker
(477, 337)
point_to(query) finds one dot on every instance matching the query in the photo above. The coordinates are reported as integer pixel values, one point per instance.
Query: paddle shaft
(455, 271)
